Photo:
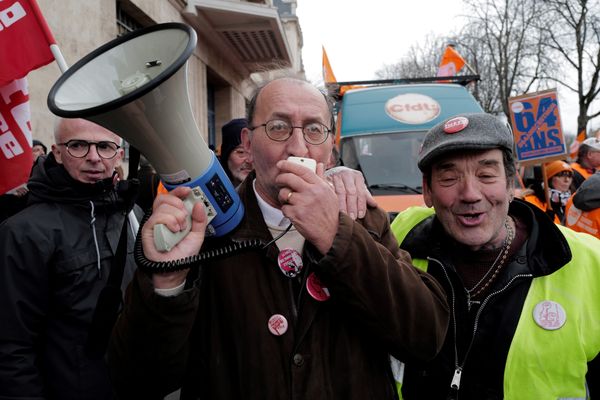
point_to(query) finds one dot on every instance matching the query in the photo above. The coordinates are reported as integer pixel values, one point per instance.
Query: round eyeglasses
(280, 131)
(80, 148)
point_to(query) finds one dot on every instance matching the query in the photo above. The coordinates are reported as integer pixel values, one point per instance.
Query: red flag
(451, 62)
(24, 39)
(16, 157)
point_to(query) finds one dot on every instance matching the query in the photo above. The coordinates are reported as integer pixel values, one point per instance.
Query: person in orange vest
(560, 176)
(588, 160)
(583, 209)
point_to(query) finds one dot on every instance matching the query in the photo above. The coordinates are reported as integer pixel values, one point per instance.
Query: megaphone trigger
(165, 240)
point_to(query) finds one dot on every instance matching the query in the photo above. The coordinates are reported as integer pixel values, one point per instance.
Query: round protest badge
(278, 325)
(316, 289)
(549, 315)
(456, 124)
(517, 107)
(290, 262)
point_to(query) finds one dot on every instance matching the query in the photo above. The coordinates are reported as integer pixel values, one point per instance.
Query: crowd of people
(570, 194)
(478, 295)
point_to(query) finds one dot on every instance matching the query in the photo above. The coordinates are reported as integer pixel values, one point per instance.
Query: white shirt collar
(272, 216)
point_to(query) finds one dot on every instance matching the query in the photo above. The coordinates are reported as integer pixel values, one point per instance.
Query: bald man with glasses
(315, 313)
(57, 256)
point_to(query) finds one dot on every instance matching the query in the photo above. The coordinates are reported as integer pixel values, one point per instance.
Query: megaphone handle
(164, 239)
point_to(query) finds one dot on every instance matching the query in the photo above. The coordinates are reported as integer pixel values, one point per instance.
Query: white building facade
(239, 44)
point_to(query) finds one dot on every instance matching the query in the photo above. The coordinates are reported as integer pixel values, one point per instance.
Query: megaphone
(136, 86)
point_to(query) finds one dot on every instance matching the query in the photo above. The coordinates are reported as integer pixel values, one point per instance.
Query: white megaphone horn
(136, 86)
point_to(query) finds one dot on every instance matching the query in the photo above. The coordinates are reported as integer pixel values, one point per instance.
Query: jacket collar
(51, 183)
(546, 249)
(253, 225)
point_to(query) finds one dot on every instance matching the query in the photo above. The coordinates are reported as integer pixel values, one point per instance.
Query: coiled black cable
(193, 261)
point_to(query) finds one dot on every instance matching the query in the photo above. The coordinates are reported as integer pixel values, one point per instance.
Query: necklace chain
(496, 266)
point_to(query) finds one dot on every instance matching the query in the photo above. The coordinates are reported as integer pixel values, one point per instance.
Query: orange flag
(451, 63)
(328, 76)
(574, 148)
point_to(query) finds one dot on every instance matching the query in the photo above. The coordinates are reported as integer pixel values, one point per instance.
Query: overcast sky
(361, 36)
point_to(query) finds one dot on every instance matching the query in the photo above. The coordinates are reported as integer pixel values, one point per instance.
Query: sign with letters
(537, 127)
(24, 46)
(24, 39)
(15, 135)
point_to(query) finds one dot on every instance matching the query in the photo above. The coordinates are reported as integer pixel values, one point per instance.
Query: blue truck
(381, 125)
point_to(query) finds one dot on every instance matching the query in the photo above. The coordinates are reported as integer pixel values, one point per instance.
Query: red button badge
(316, 289)
(456, 124)
(290, 262)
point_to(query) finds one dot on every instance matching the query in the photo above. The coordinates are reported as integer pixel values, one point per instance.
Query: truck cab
(381, 128)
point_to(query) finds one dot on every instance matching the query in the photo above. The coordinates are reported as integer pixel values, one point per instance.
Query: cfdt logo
(412, 108)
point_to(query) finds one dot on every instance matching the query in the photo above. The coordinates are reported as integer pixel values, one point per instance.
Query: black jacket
(545, 251)
(55, 258)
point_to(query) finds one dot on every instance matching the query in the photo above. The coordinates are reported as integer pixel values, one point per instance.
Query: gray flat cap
(476, 131)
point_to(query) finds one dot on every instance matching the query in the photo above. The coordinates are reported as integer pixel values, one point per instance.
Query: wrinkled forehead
(289, 90)
(455, 158)
(85, 130)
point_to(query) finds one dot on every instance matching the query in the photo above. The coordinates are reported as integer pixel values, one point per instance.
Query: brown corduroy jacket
(213, 338)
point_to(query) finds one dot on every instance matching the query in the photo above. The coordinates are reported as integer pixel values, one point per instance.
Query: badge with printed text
(456, 124)
(290, 262)
(316, 289)
(549, 315)
(278, 325)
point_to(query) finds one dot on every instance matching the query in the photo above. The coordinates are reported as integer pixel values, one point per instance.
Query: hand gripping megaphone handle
(164, 239)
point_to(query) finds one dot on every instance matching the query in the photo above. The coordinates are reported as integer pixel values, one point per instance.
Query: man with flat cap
(523, 292)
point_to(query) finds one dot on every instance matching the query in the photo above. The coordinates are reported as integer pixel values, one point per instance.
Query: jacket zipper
(455, 384)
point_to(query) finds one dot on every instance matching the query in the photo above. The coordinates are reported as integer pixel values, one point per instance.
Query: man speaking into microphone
(316, 313)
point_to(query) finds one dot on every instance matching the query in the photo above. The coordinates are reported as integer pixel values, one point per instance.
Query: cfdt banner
(15, 135)
(24, 39)
(24, 45)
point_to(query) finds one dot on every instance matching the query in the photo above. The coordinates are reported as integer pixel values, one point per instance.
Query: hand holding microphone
(309, 201)
(169, 210)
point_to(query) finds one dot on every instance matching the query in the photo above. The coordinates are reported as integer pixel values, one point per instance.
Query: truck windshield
(388, 161)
